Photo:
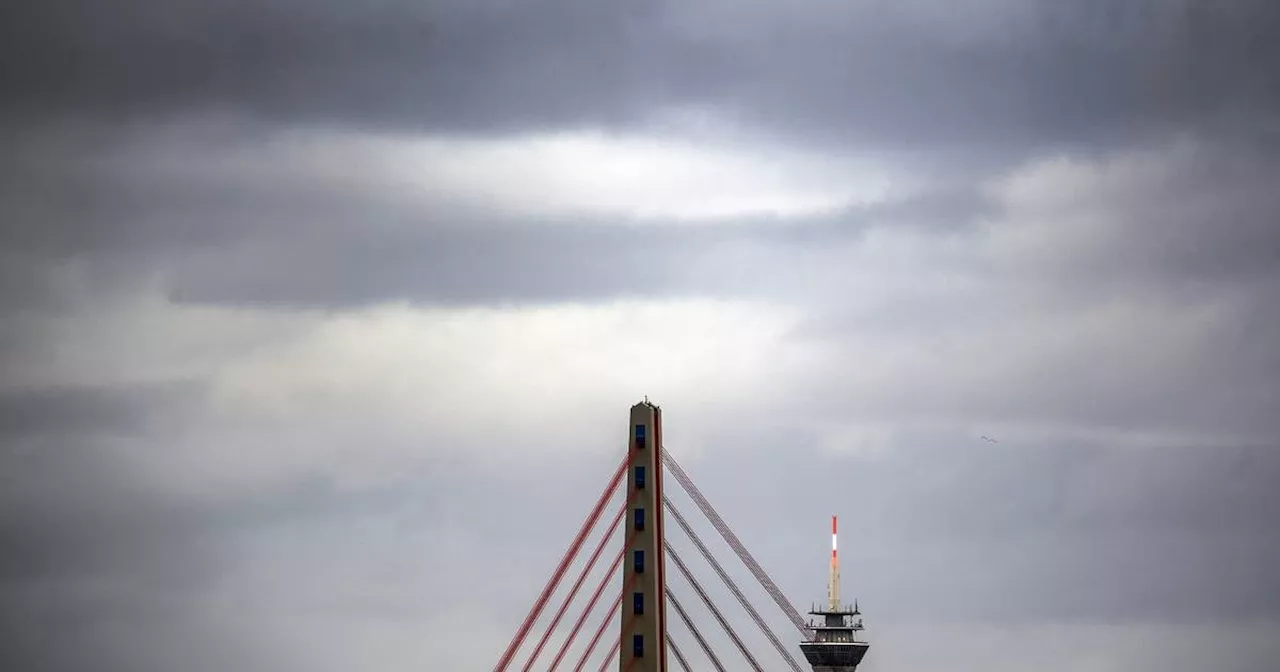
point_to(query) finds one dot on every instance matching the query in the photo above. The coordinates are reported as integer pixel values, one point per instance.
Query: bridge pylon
(644, 598)
(640, 602)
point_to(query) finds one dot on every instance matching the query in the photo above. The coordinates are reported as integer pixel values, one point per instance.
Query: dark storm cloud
(86, 543)
(284, 237)
(1033, 78)
(871, 73)
(116, 211)
(74, 410)
(68, 502)
(418, 64)
(571, 261)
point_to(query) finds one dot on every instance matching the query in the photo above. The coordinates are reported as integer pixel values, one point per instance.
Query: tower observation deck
(835, 645)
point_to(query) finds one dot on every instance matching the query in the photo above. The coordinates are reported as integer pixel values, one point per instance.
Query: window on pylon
(637, 604)
(640, 478)
(637, 646)
(640, 436)
(638, 561)
(639, 520)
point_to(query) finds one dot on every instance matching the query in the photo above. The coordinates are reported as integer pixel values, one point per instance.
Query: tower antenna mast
(833, 580)
(835, 645)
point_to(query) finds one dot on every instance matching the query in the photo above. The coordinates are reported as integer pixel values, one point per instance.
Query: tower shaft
(644, 603)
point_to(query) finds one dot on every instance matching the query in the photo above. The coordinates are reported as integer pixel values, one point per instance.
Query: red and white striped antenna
(833, 581)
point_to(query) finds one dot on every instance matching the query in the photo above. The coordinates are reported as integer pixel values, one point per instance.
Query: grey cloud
(132, 578)
(105, 568)
(401, 61)
(1166, 320)
(307, 243)
(76, 411)
(1153, 377)
(1038, 77)
(1159, 336)
(1045, 340)
(283, 238)
(69, 505)
(1208, 219)
(90, 552)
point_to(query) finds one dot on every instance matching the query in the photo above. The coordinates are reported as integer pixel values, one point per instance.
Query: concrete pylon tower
(644, 599)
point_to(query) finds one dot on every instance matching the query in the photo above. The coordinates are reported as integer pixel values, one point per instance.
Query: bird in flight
(987, 438)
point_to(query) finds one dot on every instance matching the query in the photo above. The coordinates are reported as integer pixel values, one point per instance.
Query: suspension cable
(595, 597)
(733, 587)
(675, 651)
(706, 599)
(595, 639)
(586, 612)
(626, 625)
(573, 591)
(616, 650)
(541, 602)
(733, 541)
(693, 629)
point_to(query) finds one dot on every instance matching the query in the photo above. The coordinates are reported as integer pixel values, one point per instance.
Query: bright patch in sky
(368, 396)
(641, 177)
(712, 174)
(591, 174)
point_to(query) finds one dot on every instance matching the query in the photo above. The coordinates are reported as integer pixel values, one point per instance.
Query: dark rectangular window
(640, 478)
(640, 436)
(639, 520)
(639, 562)
(637, 646)
(637, 604)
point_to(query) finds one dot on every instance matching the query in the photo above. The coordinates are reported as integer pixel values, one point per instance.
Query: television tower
(835, 646)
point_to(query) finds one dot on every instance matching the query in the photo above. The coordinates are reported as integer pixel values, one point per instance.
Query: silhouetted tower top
(835, 646)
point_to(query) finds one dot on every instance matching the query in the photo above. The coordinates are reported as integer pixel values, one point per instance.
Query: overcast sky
(322, 320)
